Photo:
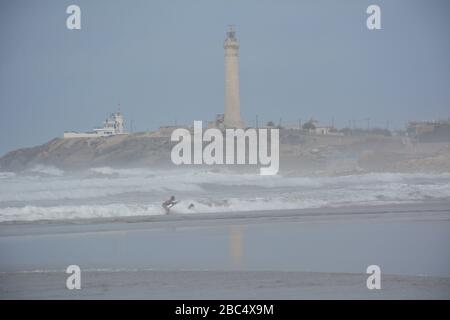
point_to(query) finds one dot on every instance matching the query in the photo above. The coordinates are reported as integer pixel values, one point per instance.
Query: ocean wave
(108, 171)
(45, 170)
(397, 193)
(7, 175)
(108, 182)
(35, 213)
(107, 192)
(25, 188)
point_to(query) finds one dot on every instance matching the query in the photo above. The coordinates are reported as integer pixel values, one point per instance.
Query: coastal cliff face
(78, 153)
(299, 154)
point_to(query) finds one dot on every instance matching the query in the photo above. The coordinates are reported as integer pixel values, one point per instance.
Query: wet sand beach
(310, 253)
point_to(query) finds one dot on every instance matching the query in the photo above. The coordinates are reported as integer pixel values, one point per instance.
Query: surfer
(169, 204)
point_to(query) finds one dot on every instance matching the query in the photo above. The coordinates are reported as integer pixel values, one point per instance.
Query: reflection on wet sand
(236, 245)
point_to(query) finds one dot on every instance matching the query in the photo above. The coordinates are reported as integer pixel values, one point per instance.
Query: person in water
(169, 204)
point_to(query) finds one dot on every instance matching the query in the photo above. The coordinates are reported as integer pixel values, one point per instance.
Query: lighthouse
(232, 116)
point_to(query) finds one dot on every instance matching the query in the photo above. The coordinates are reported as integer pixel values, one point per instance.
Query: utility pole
(256, 122)
(368, 123)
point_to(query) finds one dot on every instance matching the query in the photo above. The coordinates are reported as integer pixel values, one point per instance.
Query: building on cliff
(113, 125)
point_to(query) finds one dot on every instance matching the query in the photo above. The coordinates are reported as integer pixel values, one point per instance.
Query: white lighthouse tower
(232, 117)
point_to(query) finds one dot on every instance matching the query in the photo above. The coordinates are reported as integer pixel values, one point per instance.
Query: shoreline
(436, 209)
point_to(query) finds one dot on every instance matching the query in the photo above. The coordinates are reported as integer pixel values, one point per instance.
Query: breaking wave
(6, 175)
(46, 170)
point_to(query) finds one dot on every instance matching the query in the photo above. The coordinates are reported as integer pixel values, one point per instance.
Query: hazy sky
(163, 62)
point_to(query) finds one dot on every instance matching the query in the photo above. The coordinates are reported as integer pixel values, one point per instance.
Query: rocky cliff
(117, 151)
(299, 154)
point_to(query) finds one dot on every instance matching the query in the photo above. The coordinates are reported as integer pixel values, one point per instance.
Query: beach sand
(147, 284)
(288, 254)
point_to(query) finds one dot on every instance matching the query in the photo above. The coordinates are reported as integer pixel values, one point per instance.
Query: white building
(322, 130)
(112, 126)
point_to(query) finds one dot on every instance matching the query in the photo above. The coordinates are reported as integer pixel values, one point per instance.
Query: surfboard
(172, 204)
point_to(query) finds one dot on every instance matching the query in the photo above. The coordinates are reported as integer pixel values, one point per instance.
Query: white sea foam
(397, 194)
(6, 175)
(32, 213)
(46, 170)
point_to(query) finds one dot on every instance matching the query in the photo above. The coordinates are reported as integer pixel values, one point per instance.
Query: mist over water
(47, 193)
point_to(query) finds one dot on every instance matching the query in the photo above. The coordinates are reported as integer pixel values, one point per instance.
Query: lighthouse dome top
(231, 34)
(231, 40)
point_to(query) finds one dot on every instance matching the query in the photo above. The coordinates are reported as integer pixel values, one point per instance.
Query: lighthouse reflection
(236, 246)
